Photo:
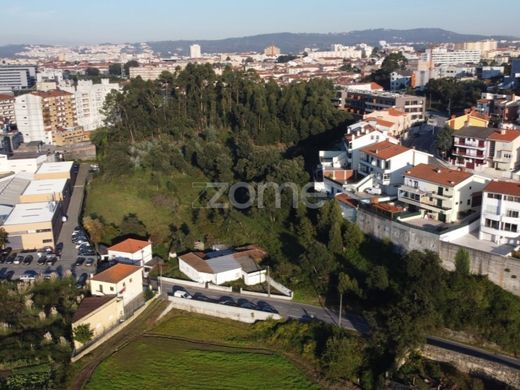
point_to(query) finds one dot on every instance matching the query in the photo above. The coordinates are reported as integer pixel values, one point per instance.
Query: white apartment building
(441, 193)
(443, 56)
(29, 118)
(500, 217)
(386, 162)
(89, 100)
(123, 280)
(392, 120)
(195, 51)
(358, 136)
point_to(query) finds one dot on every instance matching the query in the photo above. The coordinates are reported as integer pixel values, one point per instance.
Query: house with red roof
(122, 280)
(392, 121)
(138, 252)
(441, 193)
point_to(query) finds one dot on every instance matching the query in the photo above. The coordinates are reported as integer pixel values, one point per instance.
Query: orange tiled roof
(503, 187)
(384, 150)
(504, 135)
(130, 245)
(395, 112)
(52, 93)
(6, 97)
(438, 175)
(116, 273)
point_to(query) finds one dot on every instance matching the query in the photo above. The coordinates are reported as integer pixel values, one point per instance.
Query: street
(302, 311)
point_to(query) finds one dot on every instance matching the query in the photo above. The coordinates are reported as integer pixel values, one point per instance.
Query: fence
(265, 295)
(182, 282)
(280, 287)
(212, 286)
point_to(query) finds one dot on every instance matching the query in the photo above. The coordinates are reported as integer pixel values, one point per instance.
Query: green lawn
(154, 362)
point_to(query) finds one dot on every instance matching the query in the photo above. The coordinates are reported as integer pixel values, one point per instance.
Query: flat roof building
(54, 170)
(45, 191)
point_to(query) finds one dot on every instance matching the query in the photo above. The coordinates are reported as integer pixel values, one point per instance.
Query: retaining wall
(221, 311)
(211, 286)
(265, 295)
(181, 282)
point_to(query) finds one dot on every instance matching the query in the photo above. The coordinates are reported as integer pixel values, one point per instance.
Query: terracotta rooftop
(51, 93)
(6, 97)
(89, 305)
(375, 86)
(504, 135)
(345, 199)
(130, 245)
(116, 273)
(384, 150)
(395, 112)
(438, 175)
(196, 262)
(503, 187)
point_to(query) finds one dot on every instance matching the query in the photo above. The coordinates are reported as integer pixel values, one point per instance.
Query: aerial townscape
(192, 200)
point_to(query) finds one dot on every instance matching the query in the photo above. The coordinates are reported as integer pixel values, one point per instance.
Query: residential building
(272, 51)
(38, 113)
(123, 280)
(502, 108)
(359, 135)
(486, 147)
(400, 80)
(21, 162)
(100, 313)
(89, 99)
(386, 162)
(139, 252)
(500, 217)
(16, 77)
(484, 46)
(152, 72)
(34, 225)
(6, 110)
(443, 56)
(69, 136)
(54, 190)
(443, 194)
(223, 266)
(391, 120)
(361, 101)
(195, 51)
(471, 118)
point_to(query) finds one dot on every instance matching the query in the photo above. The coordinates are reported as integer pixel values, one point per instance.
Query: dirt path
(84, 368)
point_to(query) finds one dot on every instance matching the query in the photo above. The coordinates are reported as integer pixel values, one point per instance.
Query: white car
(28, 276)
(373, 191)
(181, 294)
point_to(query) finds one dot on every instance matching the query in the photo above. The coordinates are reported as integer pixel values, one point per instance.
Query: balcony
(469, 153)
(470, 144)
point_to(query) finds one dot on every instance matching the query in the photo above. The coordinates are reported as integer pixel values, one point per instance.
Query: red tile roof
(196, 262)
(504, 135)
(343, 198)
(51, 93)
(375, 86)
(385, 150)
(395, 112)
(503, 187)
(438, 175)
(6, 97)
(130, 245)
(116, 273)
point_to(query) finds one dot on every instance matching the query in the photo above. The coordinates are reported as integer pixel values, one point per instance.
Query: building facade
(123, 280)
(7, 114)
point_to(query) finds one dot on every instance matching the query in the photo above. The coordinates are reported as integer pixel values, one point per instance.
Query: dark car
(227, 301)
(201, 297)
(10, 258)
(8, 275)
(51, 260)
(79, 261)
(28, 259)
(18, 259)
(245, 304)
(2, 259)
(89, 262)
(42, 260)
(7, 251)
(59, 248)
(82, 280)
(264, 306)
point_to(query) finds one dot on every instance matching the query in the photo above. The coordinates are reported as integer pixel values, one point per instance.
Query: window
(491, 224)
(509, 227)
(130, 280)
(515, 199)
(512, 213)
(111, 288)
(469, 202)
(494, 196)
(47, 241)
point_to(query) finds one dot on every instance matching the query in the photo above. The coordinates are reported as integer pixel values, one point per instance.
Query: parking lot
(59, 261)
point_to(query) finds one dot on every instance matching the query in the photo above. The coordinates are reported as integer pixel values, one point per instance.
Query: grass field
(154, 362)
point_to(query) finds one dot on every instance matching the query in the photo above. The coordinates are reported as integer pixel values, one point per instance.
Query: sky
(95, 21)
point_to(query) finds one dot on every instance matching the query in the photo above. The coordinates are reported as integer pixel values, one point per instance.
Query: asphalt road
(69, 253)
(296, 310)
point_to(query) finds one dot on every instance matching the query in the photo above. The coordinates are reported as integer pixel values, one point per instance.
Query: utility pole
(268, 283)
(340, 308)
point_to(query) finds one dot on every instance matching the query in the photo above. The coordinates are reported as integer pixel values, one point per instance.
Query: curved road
(302, 311)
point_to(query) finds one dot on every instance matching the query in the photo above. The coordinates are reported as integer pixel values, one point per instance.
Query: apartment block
(7, 109)
(16, 77)
(386, 162)
(38, 113)
(361, 101)
(443, 194)
(443, 56)
(358, 136)
(500, 217)
(395, 122)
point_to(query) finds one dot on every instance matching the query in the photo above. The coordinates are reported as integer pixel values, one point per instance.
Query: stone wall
(473, 365)
(501, 270)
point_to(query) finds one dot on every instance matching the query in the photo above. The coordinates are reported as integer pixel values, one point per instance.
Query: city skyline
(59, 22)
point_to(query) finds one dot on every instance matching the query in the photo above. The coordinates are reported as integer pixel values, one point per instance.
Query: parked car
(50, 274)
(41, 260)
(10, 258)
(51, 260)
(182, 294)
(89, 262)
(28, 259)
(373, 191)
(227, 301)
(27, 276)
(79, 261)
(245, 304)
(47, 249)
(59, 248)
(82, 280)
(201, 297)
(2, 259)
(264, 306)
(18, 259)
(6, 251)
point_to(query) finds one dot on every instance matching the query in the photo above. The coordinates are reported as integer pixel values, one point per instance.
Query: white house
(122, 280)
(396, 121)
(440, 192)
(386, 163)
(359, 135)
(219, 267)
(138, 252)
(500, 217)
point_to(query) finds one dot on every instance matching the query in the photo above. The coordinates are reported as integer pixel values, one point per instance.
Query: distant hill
(296, 42)
(10, 50)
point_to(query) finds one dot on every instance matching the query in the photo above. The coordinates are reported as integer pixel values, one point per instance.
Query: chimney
(438, 170)
(503, 131)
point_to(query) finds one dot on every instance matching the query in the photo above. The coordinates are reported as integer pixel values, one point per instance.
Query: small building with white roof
(55, 170)
(45, 191)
